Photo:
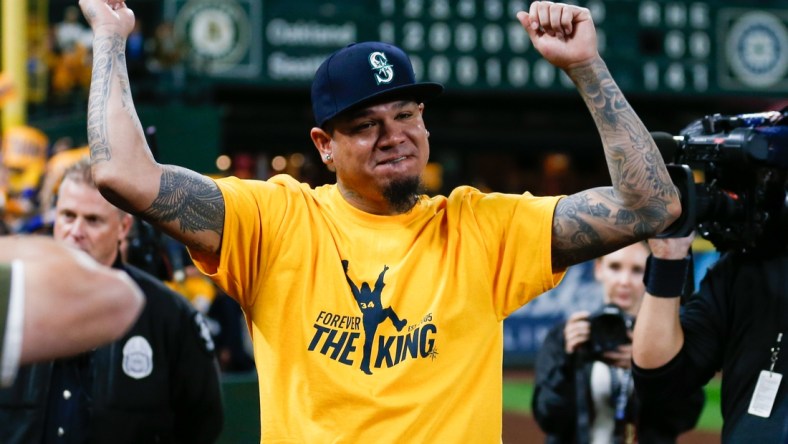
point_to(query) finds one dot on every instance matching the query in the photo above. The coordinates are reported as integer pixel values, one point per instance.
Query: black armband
(666, 278)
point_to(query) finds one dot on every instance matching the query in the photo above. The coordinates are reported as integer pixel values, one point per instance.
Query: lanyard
(775, 352)
(620, 381)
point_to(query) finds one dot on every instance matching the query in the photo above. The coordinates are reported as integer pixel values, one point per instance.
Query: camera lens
(608, 329)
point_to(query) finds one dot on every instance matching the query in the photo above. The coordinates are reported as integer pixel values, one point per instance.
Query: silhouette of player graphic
(372, 312)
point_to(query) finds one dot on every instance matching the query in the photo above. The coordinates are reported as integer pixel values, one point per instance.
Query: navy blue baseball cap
(362, 73)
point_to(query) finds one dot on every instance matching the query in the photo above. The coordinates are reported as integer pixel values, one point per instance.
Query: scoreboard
(652, 47)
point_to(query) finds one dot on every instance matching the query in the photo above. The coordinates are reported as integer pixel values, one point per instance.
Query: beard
(402, 194)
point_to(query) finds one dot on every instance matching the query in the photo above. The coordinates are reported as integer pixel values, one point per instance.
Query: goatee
(403, 194)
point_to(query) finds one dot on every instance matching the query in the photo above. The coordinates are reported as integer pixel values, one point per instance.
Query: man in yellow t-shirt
(416, 356)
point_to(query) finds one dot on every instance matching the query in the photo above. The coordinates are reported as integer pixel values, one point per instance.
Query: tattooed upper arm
(191, 207)
(592, 223)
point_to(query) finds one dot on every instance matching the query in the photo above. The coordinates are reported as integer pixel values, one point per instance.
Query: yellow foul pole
(14, 40)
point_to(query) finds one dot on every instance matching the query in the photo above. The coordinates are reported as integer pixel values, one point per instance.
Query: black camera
(609, 329)
(731, 173)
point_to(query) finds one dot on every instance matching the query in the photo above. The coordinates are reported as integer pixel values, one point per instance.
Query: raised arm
(379, 284)
(187, 205)
(642, 200)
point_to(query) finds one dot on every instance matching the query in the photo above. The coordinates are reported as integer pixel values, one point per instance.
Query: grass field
(242, 414)
(517, 395)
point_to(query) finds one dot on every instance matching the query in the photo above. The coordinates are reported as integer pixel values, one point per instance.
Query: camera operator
(583, 391)
(736, 321)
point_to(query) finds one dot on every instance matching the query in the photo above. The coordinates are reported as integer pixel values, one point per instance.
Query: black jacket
(555, 400)
(731, 324)
(158, 384)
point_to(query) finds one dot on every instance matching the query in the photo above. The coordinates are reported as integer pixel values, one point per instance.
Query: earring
(328, 157)
(428, 134)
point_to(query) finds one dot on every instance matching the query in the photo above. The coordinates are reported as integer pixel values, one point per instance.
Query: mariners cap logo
(384, 72)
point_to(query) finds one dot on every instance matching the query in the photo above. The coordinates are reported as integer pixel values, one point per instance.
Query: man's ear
(322, 141)
(126, 221)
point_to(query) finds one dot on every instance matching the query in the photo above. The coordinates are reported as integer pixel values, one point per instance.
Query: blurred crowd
(60, 60)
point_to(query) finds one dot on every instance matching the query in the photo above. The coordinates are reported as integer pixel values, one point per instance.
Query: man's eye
(362, 126)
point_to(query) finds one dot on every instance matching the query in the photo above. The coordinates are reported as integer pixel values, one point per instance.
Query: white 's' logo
(384, 73)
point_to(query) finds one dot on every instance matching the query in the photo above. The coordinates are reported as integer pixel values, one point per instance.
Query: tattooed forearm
(634, 161)
(605, 100)
(642, 200)
(608, 107)
(191, 199)
(127, 102)
(90, 14)
(106, 48)
(636, 167)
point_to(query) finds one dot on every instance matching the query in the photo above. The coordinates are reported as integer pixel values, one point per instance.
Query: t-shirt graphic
(372, 311)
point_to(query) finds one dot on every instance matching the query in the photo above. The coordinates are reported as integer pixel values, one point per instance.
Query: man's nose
(391, 134)
(77, 227)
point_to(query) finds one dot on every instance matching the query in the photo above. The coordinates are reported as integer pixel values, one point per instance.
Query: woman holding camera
(583, 390)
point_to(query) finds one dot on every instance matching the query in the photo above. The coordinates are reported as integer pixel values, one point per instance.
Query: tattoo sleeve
(190, 199)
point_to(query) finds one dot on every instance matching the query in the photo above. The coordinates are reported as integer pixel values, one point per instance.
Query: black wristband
(666, 278)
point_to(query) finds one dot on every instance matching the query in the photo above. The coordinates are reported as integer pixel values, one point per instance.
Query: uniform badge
(137, 357)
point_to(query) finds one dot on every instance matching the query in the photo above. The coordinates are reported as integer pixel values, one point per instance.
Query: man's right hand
(576, 331)
(108, 16)
(563, 34)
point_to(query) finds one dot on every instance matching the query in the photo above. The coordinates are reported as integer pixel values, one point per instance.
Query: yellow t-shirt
(430, 288)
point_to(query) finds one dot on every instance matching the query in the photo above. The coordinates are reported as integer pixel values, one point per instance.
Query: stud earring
(328, 157)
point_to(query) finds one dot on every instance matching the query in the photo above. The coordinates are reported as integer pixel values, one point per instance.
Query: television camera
(731, 173)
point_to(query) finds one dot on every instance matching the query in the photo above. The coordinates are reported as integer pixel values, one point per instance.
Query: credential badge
(384, 73)
(137, 357)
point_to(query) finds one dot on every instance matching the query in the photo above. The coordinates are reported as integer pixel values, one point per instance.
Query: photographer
(583, 391)
(738, 317)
